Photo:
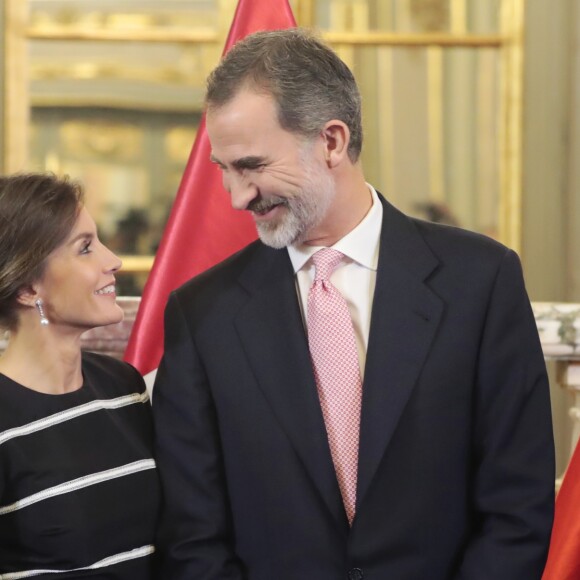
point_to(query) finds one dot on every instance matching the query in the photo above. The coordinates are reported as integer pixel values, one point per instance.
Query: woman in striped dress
(78, 483)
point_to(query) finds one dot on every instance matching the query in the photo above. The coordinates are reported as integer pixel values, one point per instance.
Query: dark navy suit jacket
(456, 466)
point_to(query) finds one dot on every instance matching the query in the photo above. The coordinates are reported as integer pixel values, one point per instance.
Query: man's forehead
(245, 101)
(243, 121)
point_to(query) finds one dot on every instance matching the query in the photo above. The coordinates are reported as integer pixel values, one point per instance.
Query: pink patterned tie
(336, 370)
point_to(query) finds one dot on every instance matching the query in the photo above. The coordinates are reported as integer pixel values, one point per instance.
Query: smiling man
(358, 394)
(280, 176)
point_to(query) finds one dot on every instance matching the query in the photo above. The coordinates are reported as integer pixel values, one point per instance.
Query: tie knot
(325, 262)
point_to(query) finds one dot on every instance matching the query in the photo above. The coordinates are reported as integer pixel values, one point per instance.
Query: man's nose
(242, 191)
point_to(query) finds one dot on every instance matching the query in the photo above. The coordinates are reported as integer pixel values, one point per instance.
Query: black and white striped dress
(78, 483)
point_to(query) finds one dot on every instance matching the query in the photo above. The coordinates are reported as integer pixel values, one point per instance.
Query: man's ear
(27, 296)
(336, 136)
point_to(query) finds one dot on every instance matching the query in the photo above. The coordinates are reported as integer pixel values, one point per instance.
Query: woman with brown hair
(78, 483)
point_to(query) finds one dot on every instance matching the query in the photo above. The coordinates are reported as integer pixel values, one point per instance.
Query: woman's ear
(27, 296)
(336, 136)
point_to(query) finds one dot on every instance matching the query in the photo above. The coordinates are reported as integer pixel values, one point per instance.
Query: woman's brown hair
(37, 213)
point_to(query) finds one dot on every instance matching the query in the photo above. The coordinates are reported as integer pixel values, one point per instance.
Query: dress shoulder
(114, 375)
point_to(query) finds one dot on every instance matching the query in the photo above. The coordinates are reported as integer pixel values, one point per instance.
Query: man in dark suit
(455, 471)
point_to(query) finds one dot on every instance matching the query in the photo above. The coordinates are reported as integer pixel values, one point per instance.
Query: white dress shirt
(355, 278)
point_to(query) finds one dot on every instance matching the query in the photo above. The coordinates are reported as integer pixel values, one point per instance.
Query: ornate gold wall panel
(511, 125)
(441, 84)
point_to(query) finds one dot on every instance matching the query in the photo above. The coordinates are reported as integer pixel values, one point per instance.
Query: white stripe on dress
(79, 483)
(110, 561)
(73, 413)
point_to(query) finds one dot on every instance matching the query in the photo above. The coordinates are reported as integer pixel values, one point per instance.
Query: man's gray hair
(310, 84)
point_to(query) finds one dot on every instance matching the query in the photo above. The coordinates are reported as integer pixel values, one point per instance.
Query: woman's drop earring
(43, 318)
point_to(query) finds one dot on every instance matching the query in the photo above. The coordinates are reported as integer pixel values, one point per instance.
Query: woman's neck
(40, 359)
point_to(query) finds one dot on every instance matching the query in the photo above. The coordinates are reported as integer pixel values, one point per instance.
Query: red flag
(202, 229)
(564, 556)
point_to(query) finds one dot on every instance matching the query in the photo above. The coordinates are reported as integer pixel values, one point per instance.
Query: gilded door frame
(15, 110)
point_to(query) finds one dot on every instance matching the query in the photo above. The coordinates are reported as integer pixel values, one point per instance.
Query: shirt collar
(361, 244)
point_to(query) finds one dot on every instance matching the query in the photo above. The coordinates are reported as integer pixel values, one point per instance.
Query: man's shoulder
(444, 241)
(456, 244)
(219, 292)
(219, 278)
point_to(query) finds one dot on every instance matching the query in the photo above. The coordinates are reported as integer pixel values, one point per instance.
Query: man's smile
(262, 208)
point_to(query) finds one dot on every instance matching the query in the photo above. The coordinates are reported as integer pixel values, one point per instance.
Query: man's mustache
(261, 205)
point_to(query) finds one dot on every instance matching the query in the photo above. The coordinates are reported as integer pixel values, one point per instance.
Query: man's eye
(221, 166)
(257, 167)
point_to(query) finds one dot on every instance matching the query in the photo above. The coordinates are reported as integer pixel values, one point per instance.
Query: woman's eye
(86, 248)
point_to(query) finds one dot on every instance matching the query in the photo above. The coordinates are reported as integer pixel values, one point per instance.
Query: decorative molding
(558, 326)
(163, 35)
(372, 38)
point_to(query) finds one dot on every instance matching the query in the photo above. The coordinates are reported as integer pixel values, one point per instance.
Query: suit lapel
(405, 316)
(272, 335)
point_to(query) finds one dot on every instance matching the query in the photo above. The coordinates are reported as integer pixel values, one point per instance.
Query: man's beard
(303, 212)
